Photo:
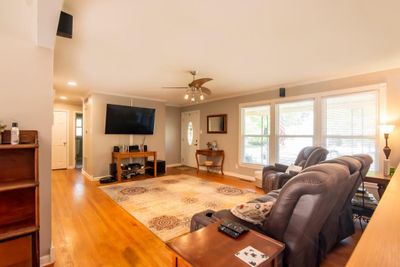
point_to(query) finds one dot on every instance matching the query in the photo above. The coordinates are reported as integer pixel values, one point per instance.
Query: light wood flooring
(89, 229)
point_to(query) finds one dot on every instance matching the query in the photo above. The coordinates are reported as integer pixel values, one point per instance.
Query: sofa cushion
(253, 212)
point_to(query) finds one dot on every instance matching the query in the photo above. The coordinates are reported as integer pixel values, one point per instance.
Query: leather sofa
(301, 209)
(275, 176)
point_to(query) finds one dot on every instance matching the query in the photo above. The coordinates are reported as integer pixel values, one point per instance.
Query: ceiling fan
(195, 90)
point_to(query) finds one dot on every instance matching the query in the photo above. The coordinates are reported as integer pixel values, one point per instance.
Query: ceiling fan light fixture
(186, 96)
(201, 97)
(192, 99)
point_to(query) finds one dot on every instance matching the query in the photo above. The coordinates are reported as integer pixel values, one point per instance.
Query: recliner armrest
(281, 167)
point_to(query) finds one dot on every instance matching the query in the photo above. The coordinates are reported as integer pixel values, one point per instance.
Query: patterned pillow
(254, 213)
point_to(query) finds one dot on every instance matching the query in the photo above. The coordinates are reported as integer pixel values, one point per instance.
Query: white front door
(190, 137)
(59, 143)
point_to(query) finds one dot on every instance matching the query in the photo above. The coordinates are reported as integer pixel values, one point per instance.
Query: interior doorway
(78, 140)
(190, 133)
(59, 149)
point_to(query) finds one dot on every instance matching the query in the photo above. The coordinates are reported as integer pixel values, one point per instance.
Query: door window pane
(190, 133)
(78, 132)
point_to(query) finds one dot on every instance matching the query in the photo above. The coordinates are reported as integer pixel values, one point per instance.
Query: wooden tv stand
(118, 156)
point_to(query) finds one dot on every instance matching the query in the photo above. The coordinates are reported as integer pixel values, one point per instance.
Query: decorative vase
(386, 167)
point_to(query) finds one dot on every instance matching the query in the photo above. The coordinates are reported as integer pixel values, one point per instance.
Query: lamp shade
(386, 128)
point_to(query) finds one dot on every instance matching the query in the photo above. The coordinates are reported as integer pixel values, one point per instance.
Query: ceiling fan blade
(174, 87)
(206, 91)
(199, 82)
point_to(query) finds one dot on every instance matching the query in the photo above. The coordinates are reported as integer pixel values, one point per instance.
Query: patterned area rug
(165, 205)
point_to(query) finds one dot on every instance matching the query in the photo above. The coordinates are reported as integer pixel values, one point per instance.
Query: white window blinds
(350, 125)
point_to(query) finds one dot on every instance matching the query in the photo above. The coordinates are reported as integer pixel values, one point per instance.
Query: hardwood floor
(89, 229)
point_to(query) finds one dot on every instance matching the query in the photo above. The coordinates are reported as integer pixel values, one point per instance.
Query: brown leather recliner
(339, 224)
(301, 209)
(275, 176)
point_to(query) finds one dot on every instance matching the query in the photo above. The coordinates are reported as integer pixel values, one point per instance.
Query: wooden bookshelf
(19, 197)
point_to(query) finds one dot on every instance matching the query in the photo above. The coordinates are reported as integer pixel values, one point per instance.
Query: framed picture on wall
(217, 123)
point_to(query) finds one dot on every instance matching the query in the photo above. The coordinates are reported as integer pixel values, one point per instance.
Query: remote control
(235, 226)
(228, 231)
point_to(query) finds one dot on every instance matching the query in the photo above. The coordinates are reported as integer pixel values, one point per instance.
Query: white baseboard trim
(91, 177)
(174, 165)
(97, 178)
(48, 259)
(241, 176)
(87, 175)
(234, 174)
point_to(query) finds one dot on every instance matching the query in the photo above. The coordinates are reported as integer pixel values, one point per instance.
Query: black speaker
(116, 149)
(282, 92)
(65, 25)
(145, 148)
(160, 167)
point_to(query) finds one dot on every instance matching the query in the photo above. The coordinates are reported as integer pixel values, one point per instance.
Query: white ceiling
(135, 47)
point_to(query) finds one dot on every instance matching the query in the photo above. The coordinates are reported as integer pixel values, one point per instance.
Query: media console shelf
(117, 157)
(19, 196)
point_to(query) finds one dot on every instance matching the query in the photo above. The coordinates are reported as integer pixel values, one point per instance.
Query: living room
(154, 132)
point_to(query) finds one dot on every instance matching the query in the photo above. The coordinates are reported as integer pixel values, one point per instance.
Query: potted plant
(2, 128)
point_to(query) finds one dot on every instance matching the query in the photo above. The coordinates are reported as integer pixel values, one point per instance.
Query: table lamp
(386, 129)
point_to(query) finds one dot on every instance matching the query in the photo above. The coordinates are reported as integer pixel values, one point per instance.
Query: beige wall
(26, 82)
(230, 141)
(72, 110)
(173, 135)
(98, 151)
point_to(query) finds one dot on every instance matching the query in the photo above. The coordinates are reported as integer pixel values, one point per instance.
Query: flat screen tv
(129, 120)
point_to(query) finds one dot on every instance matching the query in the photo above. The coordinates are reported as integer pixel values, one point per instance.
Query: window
(350, 125)
(190, 133)
(255, 134)
(295, 129)
(78, 128)
(346, 123)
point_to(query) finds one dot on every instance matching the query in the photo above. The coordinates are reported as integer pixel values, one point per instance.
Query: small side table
(209, 247)
(379, 179)
(211, 154)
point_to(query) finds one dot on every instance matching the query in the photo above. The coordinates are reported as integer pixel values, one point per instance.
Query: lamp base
(386, 167)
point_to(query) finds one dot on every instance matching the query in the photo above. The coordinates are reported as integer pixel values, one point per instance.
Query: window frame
(318, 139)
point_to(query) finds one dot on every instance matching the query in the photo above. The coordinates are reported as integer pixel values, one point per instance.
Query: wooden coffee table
(208, 247)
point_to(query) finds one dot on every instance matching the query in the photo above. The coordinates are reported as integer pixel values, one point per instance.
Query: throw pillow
(254, 213)
(293, 168)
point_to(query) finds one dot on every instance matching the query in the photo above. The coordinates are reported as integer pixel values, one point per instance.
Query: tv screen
(129, 120)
